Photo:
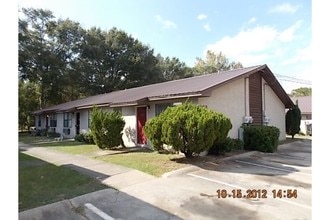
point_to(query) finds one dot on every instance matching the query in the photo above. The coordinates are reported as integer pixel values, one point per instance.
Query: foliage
(226, 145)
(28, 101)
(302, 91)
(214, 63)
(106, 128)
(292, 121)
(188, 128)
(261, 138)
(47, 52)
(153, 130)
(84, 137)
(79, 137)
(172, 68)
(65, 62)
(53, 134)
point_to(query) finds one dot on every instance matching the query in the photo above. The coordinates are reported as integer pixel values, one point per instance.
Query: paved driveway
(206, 192)
(193, 195)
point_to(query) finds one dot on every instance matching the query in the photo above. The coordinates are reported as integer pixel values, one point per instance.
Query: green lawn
(66, 146)
(41, 183)
(29, 139)
(149, 162)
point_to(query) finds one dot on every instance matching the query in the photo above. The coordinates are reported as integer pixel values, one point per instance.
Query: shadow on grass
(128, 150)
(41, 183)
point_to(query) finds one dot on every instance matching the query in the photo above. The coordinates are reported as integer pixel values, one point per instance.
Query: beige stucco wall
(59, 127)
(275, 109)
(228, 99)
(84, 121)
(129, 132)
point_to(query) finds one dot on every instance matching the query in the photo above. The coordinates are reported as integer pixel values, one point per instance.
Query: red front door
(141, 113)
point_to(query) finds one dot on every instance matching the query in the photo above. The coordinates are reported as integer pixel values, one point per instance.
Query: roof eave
(276, 86)
(175, 96)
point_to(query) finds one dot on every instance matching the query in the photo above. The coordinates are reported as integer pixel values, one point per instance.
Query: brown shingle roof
(194, 86)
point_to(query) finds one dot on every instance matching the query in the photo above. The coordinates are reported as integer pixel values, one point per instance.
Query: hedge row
(261, 138)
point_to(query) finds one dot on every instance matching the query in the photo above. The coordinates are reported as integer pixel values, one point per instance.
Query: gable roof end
(276, 86)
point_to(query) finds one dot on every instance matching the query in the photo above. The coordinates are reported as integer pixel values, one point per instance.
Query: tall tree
(292, 121)
(68, 62)
(34, 53)
(172, 68)
(302, 91)
(48, 51)
(28, 96)
(113, 60)
(214, 63)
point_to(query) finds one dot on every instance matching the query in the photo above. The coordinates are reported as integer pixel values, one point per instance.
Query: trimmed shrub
(226, 145)
(188, 128)
(79, 137)
(106, 128)
(53, 134)
(84, 137)
(88, 138)
(153, 130)
(261, 138)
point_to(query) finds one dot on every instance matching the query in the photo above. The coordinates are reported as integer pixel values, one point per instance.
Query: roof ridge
(198, 76)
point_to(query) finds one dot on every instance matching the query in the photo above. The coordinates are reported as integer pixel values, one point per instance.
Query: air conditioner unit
(266, 119)
(247, 119)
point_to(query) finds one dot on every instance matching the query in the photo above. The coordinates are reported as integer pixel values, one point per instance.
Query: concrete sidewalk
(109, 174)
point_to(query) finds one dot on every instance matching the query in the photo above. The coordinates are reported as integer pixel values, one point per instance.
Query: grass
(149, 162)
(78, 149)
(41, 183)
(66, 146)
(29, 139)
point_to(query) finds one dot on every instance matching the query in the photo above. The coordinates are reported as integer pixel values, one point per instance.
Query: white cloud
(201, 16)
(258, 45)
(285, 8)
(167, 24)
(247, 46)
(207, 27)
(252, 20)
(288, 34)
(301, 55)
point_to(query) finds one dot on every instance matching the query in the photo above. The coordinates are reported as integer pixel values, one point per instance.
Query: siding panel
(255, 98)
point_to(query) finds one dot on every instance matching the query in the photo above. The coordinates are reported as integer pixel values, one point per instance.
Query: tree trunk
(188, 154)
(122, 143)
(292, 136)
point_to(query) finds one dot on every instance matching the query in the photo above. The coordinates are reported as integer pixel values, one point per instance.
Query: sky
(253, 32)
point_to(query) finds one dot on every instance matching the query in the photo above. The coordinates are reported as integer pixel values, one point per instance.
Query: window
(159, 108)
(66, 131)
(53, 120)
(67, 120)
